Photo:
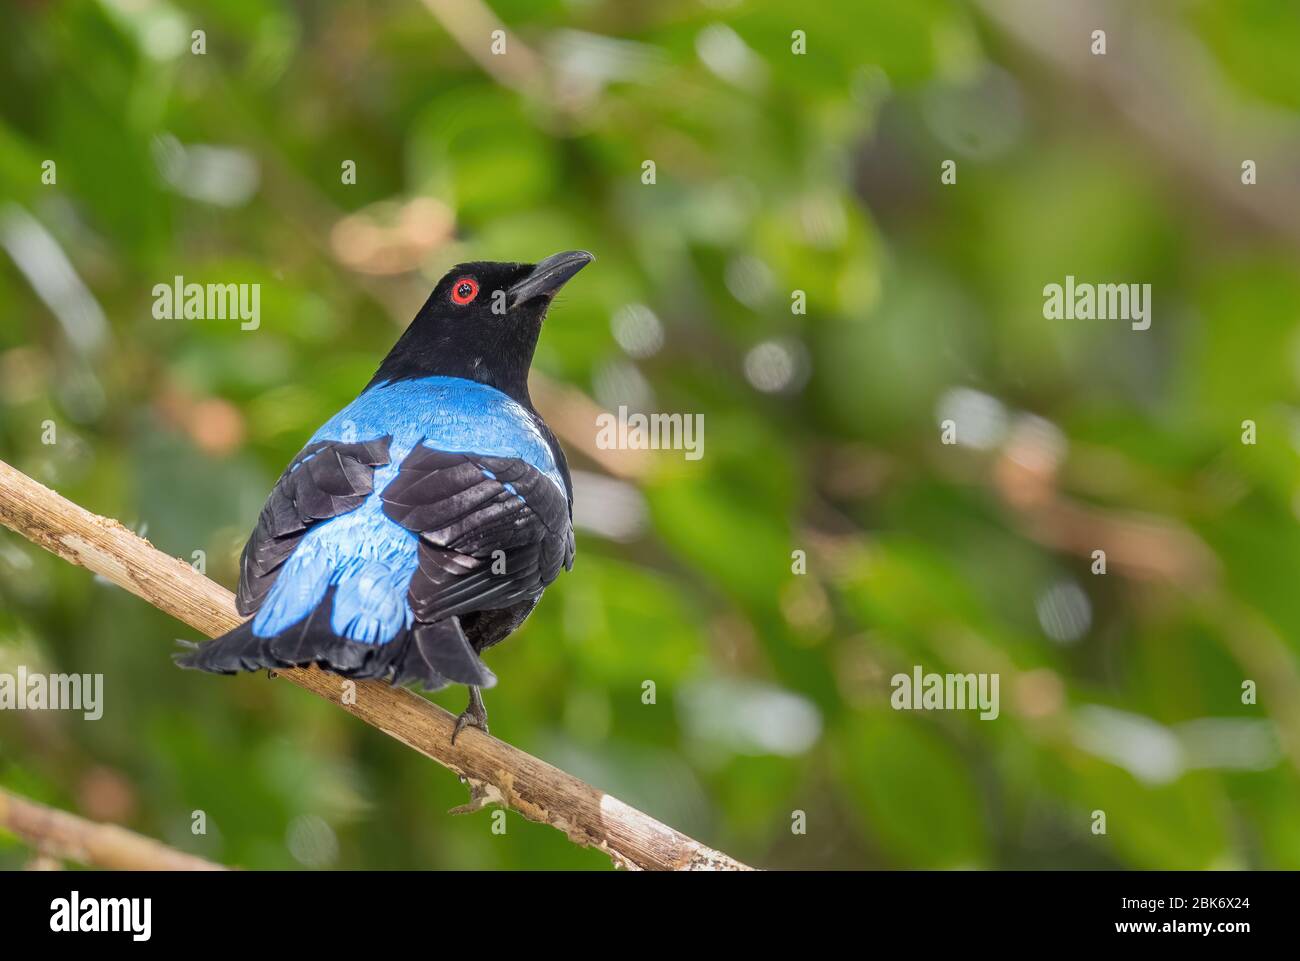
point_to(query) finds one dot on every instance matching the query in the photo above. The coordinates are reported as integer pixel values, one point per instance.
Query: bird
(421, 524)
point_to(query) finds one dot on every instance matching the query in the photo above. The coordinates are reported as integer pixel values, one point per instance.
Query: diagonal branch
(66, 836)
(496, 772)
(1167, 87)
(471, 24)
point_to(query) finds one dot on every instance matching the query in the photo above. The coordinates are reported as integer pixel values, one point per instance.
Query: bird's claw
(467, 719)
(475, 715)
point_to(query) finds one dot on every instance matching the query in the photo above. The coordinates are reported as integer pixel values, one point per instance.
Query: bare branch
(58, 834)
(496, 772)
(471, 24)
(1168, 88)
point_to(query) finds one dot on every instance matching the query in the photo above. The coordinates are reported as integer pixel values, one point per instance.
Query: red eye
(464, 290)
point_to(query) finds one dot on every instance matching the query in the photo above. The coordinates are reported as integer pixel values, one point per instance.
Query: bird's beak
(548, 276)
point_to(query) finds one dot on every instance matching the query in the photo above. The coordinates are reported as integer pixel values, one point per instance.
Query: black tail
(432, 655)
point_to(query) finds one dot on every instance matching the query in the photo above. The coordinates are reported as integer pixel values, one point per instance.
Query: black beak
(548, 276)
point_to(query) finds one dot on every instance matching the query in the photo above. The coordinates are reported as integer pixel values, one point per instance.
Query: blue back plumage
(367, 557)
(445, 413)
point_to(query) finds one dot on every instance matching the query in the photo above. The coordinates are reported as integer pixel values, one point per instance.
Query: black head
(481, 323)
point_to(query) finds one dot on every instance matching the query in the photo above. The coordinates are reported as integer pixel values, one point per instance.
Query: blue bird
(422, 522)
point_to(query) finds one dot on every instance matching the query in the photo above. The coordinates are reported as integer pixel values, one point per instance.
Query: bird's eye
(464, 290)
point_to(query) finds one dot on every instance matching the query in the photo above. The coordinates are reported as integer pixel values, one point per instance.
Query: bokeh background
(775, 172)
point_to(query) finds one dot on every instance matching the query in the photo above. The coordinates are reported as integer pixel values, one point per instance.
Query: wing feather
(326, 479)
(494, 531)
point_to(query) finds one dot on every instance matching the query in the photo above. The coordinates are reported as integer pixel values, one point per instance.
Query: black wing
(494, 531)
(326, 479)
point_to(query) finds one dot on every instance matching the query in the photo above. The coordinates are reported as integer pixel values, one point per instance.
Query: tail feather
(239, 650)
(301, 643)
(441, 649)
(431, 655)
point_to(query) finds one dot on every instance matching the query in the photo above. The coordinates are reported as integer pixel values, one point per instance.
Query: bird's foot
(475, 715)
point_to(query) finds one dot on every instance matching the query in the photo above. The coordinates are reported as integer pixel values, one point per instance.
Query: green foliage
(776, 173)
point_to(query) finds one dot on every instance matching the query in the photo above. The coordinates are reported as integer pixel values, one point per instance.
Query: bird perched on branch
(421, 524)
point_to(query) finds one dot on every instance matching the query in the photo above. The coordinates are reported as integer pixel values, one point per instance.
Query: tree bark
(65, 836)
(495, 772)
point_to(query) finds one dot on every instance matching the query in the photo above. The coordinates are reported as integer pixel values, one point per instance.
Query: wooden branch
(496, 772)
(65, 836)
(1160, 80)
(471, 23)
